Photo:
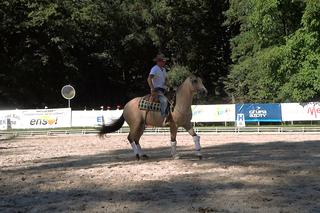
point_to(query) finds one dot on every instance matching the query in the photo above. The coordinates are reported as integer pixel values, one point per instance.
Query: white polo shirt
(159, 77)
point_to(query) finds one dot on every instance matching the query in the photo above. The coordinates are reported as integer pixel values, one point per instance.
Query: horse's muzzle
(203, 92)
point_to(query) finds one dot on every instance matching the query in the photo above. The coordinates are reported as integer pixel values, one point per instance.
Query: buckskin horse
(137, 119)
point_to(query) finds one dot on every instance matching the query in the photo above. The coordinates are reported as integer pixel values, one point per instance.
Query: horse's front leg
(173, 142)
(196, 140)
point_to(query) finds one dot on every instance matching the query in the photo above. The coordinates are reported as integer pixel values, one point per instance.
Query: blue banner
(259, 112)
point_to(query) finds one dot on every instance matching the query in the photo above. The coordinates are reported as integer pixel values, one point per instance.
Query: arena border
(8, 134)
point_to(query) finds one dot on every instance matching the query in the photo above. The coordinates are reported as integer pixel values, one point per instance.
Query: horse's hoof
(176, 157)
(145, 157)
(137, 157)
(200, 157)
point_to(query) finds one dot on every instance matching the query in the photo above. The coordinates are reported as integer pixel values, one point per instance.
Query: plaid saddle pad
(147, 105)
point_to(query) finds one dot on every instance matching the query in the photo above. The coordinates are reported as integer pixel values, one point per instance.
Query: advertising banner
(94, 118)
(3, 123)
(260, 112)
(46, 118)
(87, 118)
(10, 119)
(213, 113)
(301, 111)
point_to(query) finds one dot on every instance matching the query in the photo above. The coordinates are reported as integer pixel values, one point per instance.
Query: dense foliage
(276, 56)
(177, 75)
(105, 49)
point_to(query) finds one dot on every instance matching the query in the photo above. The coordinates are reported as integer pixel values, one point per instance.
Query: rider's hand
(153, 93)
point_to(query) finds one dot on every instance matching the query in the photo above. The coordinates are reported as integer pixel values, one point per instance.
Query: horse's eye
(194, 81)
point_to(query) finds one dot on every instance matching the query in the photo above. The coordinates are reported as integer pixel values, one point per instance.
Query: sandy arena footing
(239, 173)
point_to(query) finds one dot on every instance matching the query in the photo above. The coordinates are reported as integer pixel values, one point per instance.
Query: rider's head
(160, 59)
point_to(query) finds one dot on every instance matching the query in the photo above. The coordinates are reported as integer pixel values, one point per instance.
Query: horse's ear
(199, 75)
(193, 79)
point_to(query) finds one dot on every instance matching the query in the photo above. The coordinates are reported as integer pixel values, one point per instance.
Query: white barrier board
(3, 122)
(12, 116)
(46, 118)
(94, 118)
(87, 118)
(300, 111)
(213, 113)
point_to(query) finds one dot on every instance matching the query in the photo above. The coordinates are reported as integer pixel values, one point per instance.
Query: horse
(180, 117)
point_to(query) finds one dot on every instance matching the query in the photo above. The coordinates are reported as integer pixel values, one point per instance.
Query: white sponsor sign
(10, 118)
(300, 111)
(241, 122)
(46, 118)
(3, 123)
(87, 118)
(94, 118)
(213, 113)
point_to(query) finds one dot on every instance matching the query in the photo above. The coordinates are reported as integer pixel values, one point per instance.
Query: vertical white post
(70, 112)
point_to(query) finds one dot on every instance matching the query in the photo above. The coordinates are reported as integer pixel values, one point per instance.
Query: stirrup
(166, 121)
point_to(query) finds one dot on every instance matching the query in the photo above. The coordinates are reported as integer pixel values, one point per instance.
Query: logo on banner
(100, 120)
(222, 111)
(12, 118)
(314, 111)
(196, 112)
(258, 113)
(43, 121)
(241, 122)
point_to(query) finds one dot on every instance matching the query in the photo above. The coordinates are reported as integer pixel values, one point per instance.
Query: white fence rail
(165, 131)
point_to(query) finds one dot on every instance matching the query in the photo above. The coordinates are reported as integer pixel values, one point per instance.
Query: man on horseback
(157, 81)
(181, 116)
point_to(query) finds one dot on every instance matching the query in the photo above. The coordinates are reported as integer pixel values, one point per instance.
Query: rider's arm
(166, 81)
(150, 82)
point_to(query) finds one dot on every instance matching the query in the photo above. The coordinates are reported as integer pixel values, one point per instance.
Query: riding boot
(167, 120)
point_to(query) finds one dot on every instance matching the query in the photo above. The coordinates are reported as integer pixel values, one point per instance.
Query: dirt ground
(239, 173)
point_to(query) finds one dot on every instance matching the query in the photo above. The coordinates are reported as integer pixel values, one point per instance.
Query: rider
(157, 81)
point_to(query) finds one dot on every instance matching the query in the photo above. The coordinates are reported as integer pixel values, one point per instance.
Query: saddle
(152, 104)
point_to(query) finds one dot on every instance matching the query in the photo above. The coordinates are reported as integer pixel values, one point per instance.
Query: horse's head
(197, 85)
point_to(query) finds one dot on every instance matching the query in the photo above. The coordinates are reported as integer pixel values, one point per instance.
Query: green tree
(104, 48)
(276, 55)
(301, 59)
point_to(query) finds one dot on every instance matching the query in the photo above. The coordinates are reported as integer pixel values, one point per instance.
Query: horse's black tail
(116, 125)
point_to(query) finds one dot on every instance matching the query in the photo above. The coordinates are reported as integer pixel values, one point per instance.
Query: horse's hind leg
(137, 139)
(133, 145)
(134, 138)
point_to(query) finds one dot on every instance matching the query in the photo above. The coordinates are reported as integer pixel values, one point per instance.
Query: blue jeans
(163, 102)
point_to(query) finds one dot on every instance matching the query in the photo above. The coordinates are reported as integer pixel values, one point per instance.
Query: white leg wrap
(173, 148)
(134, 147)
(196, 140)
(139, 149)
